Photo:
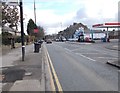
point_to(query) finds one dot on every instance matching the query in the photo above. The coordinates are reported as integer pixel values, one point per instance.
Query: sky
(57, 15)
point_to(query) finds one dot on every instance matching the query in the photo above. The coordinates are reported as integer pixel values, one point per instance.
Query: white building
(97, 34)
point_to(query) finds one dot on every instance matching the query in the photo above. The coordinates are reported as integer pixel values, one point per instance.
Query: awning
(107, 25)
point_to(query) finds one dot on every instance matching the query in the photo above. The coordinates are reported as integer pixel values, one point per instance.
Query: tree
(10, 15)
(41, 33)
(30, 27)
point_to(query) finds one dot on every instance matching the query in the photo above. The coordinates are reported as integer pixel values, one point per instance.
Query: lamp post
(22, 30)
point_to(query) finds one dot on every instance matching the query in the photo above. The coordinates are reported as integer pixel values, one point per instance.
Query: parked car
(40, 41)
(57, 40)
(87, 39)
(48, 41)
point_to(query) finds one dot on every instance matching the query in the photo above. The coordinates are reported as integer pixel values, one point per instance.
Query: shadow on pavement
(12, 74)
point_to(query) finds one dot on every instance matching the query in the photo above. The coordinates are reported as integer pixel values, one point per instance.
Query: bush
(6, 38)
(18, 39)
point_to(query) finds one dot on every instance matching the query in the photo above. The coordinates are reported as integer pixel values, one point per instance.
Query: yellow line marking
(54, 73)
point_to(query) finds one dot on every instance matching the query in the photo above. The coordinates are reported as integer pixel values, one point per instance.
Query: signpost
(19, 3)
(36, 30)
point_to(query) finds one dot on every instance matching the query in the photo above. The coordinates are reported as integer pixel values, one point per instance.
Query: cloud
(55, 15)
(81, 13)
(98, 12)
(52, 22)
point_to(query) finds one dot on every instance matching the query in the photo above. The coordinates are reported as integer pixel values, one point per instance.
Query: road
(82, 67)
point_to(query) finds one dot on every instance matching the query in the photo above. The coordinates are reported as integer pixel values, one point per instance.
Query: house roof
(5, 28)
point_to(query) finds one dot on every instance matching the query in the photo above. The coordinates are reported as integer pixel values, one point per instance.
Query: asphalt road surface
(82, 67)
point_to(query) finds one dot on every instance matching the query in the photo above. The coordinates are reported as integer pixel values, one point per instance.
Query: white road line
(3, 84)
(68, 49)
(107, 58)
(85, 43)
(75, 49)
(85, 57)
(89, 53)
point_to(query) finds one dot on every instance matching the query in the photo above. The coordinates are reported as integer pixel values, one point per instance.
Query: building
(70, 31)
(10, 30)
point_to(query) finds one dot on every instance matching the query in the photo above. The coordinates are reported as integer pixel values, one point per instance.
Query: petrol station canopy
(107, 25)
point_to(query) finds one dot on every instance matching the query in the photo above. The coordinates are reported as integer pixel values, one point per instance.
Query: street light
(22, 30)
(15, 3)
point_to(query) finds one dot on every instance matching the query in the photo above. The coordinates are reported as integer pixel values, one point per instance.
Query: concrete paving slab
(26, 85)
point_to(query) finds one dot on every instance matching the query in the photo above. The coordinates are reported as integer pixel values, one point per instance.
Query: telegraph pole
(34, 11)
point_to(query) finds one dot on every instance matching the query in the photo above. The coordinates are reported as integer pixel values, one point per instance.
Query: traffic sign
(35, 30)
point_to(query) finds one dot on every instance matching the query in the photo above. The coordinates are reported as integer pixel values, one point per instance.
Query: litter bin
(36, 47)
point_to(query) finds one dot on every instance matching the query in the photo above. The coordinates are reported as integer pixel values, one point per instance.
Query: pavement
(115, 63)
(7, 48)
(115, 46)
(32, 74)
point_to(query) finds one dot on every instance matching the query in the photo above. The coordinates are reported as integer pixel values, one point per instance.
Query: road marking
(115, 46)
(59, 46)
(75, 49)
(107, 58)
(85, 43)
(54, 74)
(89, 53)
(68, 49)
(85, 57)
(28, 73)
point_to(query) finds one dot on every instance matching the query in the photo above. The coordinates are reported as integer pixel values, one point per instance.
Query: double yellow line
(58, 87)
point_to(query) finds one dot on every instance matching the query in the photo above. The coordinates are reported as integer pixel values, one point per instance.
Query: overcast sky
(55, 15)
